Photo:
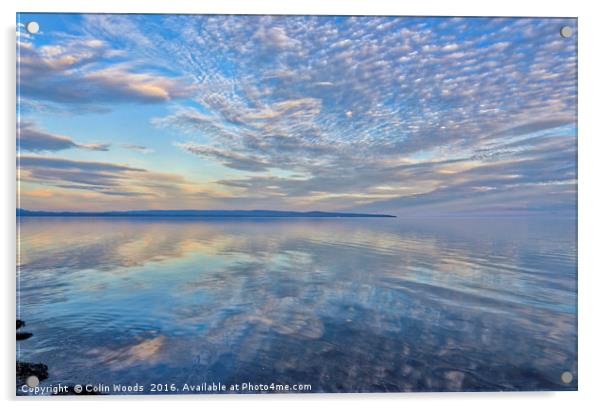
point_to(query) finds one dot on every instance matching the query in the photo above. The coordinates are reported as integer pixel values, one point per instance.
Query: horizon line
(21, 212)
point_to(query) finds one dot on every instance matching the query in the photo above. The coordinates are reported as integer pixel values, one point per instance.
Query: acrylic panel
(295, 204)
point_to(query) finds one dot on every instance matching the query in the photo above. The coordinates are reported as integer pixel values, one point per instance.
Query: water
(344, 305)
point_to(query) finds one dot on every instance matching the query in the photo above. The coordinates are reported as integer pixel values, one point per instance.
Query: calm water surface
(345, 305)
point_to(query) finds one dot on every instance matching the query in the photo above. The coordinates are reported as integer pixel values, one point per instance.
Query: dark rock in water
(70, 391)
(23, 335)
(27, 369)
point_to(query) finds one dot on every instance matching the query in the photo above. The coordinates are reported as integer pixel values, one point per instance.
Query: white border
(359, 7)
(590, 135)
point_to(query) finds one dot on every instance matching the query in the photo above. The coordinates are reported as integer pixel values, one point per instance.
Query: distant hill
(193, 213)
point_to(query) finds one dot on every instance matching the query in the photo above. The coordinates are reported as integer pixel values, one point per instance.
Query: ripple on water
(387, 305)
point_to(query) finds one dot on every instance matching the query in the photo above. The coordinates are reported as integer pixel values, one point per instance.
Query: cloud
(229, 159)
(86, 71)
(138, 148)
(59, 183)
(99, 177)
(533, 173)
(60, 163)
(535, 126)
(413, 108)
(275, 37)
(119, 84)
(31, 138)
(72, 174)
(381, 113)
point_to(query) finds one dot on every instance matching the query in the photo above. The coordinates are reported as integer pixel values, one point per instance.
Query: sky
(401, 115)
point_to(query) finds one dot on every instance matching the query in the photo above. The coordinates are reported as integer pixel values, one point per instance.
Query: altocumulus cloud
(386, 113)
(376, 113)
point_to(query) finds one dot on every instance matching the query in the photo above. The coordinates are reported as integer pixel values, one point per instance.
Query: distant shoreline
(202, 214)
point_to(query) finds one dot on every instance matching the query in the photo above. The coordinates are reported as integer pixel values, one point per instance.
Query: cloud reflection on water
(345, 305)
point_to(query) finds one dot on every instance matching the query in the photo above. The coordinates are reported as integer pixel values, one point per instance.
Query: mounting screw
(32, 27)
(566, 31)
